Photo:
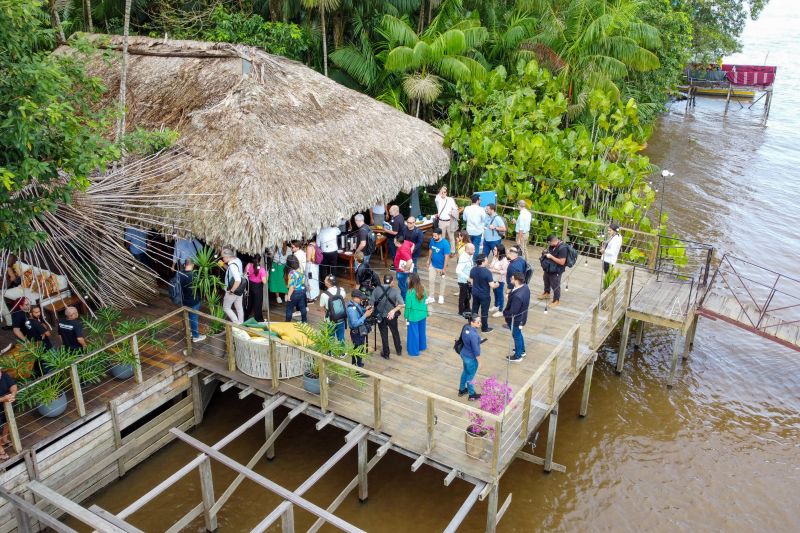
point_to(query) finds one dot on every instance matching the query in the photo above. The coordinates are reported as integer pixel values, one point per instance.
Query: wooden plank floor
(665, 299)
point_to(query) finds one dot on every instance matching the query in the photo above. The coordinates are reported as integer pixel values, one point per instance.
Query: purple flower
(495, 395)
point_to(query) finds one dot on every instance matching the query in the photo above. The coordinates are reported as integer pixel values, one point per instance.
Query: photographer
(387, 303)
(357, 322)
(553, 261)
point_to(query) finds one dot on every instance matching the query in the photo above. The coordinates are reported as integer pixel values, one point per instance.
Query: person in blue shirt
(470, 357)
(184, 249)
(482, 284)
(516, 314)
(437, 264)
(495, 229)
(415, 235)
(357, 317)
(136, 240)
(516, 263)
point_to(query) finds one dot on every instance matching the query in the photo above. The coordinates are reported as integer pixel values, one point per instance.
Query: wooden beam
(465, 508)
(450, 477)
(376, 404)
(246, 392)
(294, 413)
(325, 421)
(623, 345)
(551, 388)
(323, 386)
(639, 334)
(503, 508)
(587, 385)
(526, 413)
(354, 433)
(269, 429)
(551, 439)
(363, 491)
(195, 371)
(115, 427)
(77, 392)
(385, 447)
(209, 378)
(266, 483)
(275, 367)
(431, 417)
(287, 520)
(207, 492)
(227, 385)
(536, 460)
(34, 512)
(72, 508)
(187, 333)
(114, 519)
(13, 431)
(418, 463)
(137, 365)
(576, 344)
(197, 398)
(491, 509)
(595, 320)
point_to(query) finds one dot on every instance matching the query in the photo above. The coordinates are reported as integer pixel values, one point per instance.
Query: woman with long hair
(416, 314)
(296, 297)
(498, 267)
(257, 275)
(312, 271)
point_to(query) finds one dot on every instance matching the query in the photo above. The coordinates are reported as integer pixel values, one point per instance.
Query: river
(719, 451)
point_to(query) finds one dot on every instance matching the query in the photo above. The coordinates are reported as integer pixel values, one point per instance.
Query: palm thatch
(279, 150)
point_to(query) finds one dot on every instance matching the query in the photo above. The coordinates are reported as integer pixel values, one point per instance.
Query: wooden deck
(662, 300)
(417, 393)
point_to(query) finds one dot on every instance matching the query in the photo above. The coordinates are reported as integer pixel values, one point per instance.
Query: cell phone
(484, 340)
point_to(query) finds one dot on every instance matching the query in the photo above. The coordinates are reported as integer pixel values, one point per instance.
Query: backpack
(337, 310)
(317, 254)
(244, 284)
(458, 345)
(572, 255)
(176, 290)
(528, 272)
(371, 245)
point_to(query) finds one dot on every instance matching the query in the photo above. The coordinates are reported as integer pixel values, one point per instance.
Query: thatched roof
(279, 151)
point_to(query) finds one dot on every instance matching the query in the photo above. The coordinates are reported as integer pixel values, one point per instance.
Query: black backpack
(337, 309)
(528, 272)
(371, 245)
(458, 345)
(572, 255)
(176, 289)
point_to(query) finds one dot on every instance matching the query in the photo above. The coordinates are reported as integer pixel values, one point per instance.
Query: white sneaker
(199, 338)
(441, 299)
(278, 299)
(497, 314)
(493, 309)
(456, 293)
(296, 313)
(430, 300)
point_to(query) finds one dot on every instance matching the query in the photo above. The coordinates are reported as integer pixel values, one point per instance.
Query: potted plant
(48, 393)
(207, 285)
(121, 356)
(495, 395)
(324, 341)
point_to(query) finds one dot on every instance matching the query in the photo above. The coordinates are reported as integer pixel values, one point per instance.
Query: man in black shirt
(553, 261)
(19, 314)
(362, 237)
(186, 279)
(36, 330)
(414, 234)
(388, 304)
(71, 330)
(482, 284)
(8, 392)
(397, 221)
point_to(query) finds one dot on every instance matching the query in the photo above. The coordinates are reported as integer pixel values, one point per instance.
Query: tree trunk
(338, 29)
(274, 10)
(123, 79)
(87, 15)
(324, 42)
(56, 22)
(421, 22)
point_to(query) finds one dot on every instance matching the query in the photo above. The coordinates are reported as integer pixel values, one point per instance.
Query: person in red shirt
(403, 262)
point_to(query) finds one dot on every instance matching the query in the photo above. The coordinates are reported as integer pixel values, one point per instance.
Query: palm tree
(323, 6)
(436, 55)
(592, 44)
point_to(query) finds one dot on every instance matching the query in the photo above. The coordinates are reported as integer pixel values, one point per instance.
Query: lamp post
(664, 175)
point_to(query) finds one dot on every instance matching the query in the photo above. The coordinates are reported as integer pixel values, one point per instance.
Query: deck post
(76, 390)
(526, 413)
(551, 439)
(269, 429)
(431, 422)
(595, 320)
(13, 430)
(229, 348)
(137, 366)
(274, 367)
(115, 427)
(491, 509)
(690, 336)
(628, 288)
(676, 350)
(287, 520)
(197, 399)
(363, 492)
(639, 334)
(323, 385)
(23, 521)
(587, 384)
(613, 306)
(551, 389)
(187, 326)
(207, 489)
(576, 341)
(376, 404)
(623, 344)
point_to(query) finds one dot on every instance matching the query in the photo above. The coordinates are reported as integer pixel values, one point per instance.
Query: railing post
(551, 390)
(595, 320)
(626, 301)
(496, 448)
(613, 305)
(188, 330)
(709, 257)
(323, 385)
(565, 230)
(229, 349)
(275, 367)
(137, 366)
(115, 427)
(576, 339)
(376, 404)
(76, 389)
(526, 412)
(653, 259)
(431, 422)
(13, 431)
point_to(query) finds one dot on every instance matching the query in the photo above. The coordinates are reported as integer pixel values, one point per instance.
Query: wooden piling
(676, 347)
(197, 399)
(551, 439)
(287, 520)
(207, 489)
(587, 385)
(77, 392)
(623, 344)
(639, 334)
(269, 429)
(229, 350)
(363, 492)
(491, 509)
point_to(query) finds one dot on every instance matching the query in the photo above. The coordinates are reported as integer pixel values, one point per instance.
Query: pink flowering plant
(495, 395)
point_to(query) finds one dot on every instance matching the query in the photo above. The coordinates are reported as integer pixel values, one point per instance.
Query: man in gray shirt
(388, 304)
(495, 229)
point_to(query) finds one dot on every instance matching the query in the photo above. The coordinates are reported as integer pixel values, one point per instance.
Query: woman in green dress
(416, 314)
(277, 278)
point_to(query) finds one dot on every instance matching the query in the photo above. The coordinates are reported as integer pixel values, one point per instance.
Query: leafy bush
(147, 142)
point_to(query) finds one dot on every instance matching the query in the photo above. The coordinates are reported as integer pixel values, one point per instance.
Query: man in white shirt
(475, 216)
(327, 241)
(447, 211)
(523, 227)
(299, 253)
(232, 303)
(611, 247)
(377, 215)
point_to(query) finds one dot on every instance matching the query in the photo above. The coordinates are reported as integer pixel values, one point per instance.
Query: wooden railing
(84, 393)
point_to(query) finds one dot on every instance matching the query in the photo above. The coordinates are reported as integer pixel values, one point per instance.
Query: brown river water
(719, 451)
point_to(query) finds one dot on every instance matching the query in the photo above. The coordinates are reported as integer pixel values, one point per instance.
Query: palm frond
(397, 31)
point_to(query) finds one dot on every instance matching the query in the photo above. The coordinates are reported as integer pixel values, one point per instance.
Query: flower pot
(475, 443)
(311, 383)
(121, 371)
(54, 408)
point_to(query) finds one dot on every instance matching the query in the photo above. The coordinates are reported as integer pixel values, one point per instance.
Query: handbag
(435, 223)
(458, 345)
